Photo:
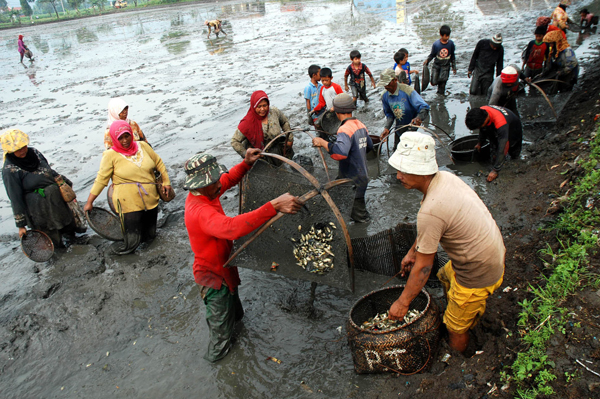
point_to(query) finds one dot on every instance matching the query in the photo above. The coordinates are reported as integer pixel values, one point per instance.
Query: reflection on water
(389, 10)
(247, 10)
(40, 44)
(499, 7)
(172, 44)
(431, 16)
(85, 35)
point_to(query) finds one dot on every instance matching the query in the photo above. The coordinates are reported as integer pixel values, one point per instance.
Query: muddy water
(88, 324)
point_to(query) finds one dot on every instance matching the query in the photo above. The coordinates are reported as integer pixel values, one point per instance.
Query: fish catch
(381, 321)
(313, 250)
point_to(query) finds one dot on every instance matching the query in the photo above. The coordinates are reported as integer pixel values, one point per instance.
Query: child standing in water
(443, 52)
(357, 71)
(311, 92)
(328, 91)
(401, 64)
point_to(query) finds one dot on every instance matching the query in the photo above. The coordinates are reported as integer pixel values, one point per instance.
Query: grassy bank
(567, 271)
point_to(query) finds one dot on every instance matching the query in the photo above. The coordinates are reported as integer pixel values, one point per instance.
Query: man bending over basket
(452, 215)
(211, 237)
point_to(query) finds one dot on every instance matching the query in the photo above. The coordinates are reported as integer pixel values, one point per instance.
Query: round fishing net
(37, 246)
(105, 224)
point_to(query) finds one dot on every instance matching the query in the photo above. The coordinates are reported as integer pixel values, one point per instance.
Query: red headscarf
(552, 28)
(251, 125)
(20, 37)
(117, 129)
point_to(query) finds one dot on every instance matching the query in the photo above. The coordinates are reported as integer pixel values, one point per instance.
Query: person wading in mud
(215, 25)
(502, 128)
(488, 54)
(452, 215)
(211, 235)
(442, 52)
(505, 89)
(350, 149)
(401, 103)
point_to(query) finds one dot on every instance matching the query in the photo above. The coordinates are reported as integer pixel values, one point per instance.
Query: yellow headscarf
(13, 140)
(558, 37)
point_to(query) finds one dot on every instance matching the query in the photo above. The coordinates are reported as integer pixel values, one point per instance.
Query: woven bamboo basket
(408, 349)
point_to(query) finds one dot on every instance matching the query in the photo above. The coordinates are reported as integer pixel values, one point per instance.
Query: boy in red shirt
(536, 54)
(327, 93)
(358, 81)
(211, 235)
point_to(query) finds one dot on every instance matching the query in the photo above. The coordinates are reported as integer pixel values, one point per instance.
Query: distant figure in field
(216, 25)
(23, 50)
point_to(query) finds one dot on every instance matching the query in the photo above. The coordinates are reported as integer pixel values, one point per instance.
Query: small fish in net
(105, 223)
(381, 321)
(37, 246)
(313, 250)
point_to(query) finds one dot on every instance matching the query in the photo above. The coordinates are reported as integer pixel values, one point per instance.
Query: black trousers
(140, 227)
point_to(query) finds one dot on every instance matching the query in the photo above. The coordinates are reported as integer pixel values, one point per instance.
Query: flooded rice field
(90, 324)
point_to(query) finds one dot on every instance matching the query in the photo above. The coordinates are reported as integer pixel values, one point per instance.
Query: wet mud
(90, 324)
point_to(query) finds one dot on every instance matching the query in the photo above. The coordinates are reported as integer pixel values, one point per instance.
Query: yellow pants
(465, 305)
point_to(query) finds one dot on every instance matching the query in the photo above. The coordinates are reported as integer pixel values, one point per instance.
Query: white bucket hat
(415, 155)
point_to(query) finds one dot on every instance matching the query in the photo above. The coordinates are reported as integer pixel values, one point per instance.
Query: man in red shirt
(211, 235)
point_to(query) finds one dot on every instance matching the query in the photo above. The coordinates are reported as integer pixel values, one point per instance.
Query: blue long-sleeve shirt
(350, 149)
(404, 105)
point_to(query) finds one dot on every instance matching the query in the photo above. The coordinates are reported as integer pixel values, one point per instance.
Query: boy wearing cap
(488, 54)
(502, 128)
(350, 149)
(211, 235)
(505, 88)
(401, 103)
(452, 215)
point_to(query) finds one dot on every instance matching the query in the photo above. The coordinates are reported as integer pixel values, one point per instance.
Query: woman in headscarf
(565, 66)
(118, 110)
(131, 166)
(559, 16)
(32, 190)
(23, 49)
(262, 124)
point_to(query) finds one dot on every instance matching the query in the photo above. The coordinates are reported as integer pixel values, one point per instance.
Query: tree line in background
(44, 9)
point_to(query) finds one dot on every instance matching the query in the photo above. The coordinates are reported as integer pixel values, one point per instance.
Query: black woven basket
(37, 246)
(105, 224)
(408, 349)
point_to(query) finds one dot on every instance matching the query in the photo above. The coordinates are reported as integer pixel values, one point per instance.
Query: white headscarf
(115, 107)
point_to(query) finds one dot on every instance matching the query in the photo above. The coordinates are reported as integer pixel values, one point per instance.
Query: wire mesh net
(37, 246)
(105, 223)
(407, 349)
(276, 245)
(382, 253)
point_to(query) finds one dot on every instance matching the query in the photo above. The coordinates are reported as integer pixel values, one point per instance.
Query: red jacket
(212, 233)
(322, 104)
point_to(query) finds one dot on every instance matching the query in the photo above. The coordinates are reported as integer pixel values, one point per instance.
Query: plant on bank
(543, 315)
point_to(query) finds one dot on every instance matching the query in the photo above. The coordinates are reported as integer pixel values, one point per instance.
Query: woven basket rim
(427, 295)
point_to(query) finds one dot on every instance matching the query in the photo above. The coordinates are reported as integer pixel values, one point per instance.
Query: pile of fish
(313, 250)
(382, 323)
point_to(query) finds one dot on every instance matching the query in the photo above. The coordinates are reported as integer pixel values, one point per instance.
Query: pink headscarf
(117, 129)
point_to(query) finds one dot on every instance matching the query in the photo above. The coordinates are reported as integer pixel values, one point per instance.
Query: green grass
(544, 314)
